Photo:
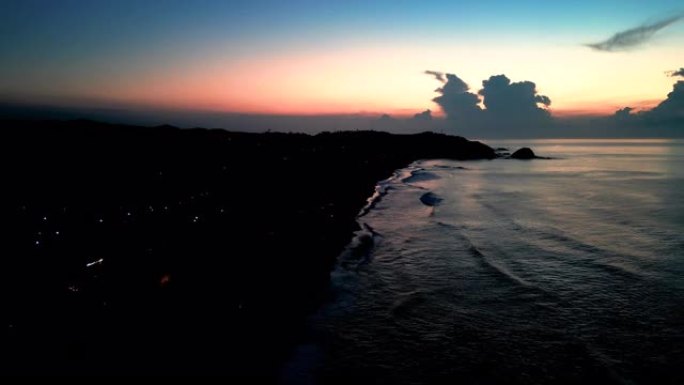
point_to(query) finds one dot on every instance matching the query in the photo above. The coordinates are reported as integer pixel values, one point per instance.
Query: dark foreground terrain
(160, 250)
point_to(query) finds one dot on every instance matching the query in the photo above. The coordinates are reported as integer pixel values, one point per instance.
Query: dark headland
(160, 250)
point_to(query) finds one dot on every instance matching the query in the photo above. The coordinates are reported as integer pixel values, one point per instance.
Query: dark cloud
(510, 109)
(514, 107)
(455, 100)
(624, 113)
(670, 110)
(633, 37)
(423, 116)
(679, 72)
(623, 117)
(436, 74)
(505, 99)
(665, 119)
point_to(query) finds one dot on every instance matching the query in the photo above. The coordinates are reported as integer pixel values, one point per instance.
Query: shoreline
(204, 241)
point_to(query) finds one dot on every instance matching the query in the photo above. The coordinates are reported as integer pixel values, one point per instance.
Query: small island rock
(523, 153)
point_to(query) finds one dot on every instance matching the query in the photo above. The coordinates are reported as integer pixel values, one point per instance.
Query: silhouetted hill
(160, 250)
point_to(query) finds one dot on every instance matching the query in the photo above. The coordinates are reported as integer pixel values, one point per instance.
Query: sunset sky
(329, 57)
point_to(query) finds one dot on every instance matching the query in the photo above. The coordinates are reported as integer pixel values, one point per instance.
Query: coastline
(149, 250)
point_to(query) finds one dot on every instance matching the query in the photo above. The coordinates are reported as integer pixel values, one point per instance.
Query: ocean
(561, 270)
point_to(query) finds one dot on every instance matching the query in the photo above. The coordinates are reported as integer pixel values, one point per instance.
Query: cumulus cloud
(506, 99)
(633, 37)
(669, 113)
(515, 106)
(510, 108)
(455, 100)
(436, 74)
(679, 72)
(672, 108)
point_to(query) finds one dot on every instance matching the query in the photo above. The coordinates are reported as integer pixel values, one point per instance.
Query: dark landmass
(525, 153)
(160, 250)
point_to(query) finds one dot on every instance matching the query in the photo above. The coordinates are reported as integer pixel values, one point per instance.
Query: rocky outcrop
(524, 153)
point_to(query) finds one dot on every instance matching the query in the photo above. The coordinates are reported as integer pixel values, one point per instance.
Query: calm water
(547, 271)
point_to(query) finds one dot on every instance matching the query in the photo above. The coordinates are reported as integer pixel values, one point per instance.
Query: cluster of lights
(194, 219)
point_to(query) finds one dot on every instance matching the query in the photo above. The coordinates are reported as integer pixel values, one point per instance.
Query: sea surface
(562, 270)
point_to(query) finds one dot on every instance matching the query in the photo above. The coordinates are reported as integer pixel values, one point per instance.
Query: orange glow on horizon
(373, 80)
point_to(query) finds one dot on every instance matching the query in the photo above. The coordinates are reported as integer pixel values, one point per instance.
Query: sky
(314, 58)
